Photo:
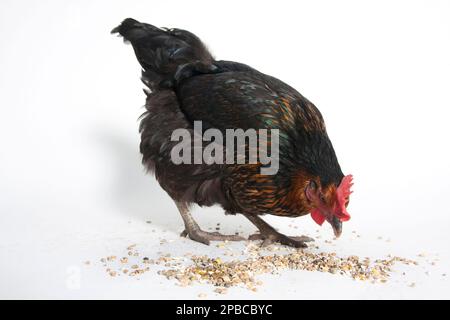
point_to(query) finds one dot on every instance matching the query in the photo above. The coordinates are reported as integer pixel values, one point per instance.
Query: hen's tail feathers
(166, 55)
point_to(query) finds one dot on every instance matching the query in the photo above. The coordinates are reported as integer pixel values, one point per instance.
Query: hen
(187, 84)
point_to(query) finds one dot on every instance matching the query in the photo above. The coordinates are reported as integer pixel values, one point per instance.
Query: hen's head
(330, 202)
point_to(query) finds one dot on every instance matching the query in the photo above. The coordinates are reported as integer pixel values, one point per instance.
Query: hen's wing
(241, 97)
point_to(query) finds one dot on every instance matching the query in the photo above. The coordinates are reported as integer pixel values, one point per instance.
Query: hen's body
(188, 85)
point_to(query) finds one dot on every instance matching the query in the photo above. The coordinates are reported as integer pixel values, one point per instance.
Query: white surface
(72, 187)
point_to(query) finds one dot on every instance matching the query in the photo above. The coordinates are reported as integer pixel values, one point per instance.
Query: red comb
(342, 194)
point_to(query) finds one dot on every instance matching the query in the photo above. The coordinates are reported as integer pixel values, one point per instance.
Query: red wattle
(318, 217)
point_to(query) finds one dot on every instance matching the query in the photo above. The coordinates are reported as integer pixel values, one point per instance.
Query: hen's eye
(322, 198)
(313, 185)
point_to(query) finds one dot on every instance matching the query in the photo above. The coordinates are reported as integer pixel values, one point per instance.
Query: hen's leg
(195, 233)
(270, 235)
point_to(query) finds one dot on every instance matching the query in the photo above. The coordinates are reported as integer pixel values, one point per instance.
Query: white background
(72, 187)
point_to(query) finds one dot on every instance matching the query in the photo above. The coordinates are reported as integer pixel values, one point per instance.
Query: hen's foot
(205, 237)
(269, 235)
(273, 236)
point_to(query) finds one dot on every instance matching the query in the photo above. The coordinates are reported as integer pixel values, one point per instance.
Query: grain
(220, 290)
(225, 274)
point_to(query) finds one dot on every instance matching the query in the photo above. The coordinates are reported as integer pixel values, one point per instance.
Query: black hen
(188, 85)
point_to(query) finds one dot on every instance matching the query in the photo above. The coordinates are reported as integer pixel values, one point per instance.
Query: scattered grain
(224, 274)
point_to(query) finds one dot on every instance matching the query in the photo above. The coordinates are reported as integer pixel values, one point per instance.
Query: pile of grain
(242, 267)
(243, 272)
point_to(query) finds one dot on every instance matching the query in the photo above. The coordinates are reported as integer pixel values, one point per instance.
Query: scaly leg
(270, 235)
(195, 233)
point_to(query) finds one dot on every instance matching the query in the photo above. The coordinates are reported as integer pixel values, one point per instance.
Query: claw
(184, 233)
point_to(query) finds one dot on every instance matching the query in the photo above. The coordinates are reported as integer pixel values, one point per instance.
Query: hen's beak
(337, 226)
